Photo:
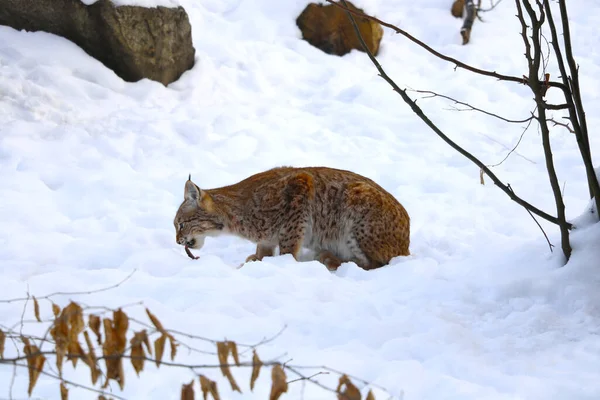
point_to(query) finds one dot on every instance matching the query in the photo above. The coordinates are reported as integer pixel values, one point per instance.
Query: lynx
(338, 214)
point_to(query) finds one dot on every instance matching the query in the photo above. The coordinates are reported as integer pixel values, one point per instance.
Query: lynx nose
(181, 241)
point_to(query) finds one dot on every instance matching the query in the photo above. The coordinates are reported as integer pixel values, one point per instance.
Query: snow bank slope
(92, 170)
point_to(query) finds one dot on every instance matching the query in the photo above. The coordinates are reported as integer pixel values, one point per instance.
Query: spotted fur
(340, 215)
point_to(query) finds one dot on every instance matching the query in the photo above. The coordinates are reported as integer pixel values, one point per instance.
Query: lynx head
(196, 218)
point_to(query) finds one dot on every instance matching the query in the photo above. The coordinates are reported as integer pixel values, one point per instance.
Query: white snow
(92, 171)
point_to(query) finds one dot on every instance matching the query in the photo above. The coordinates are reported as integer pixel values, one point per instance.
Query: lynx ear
(192, 192)
(198, 196)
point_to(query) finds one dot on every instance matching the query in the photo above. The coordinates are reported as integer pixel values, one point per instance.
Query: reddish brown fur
(340, 215)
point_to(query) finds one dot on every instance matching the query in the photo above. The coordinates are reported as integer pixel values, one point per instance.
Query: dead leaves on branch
(138, 355)
(69, 324)
(187, 391)
(2, 341)
(65, 331)
(36, 309)
(159, 344)
(35, 363)
(208, 387)
(279, 383)
(223, 351)
(113, 348)
(64, 392)
(256, 364)
(346, 390)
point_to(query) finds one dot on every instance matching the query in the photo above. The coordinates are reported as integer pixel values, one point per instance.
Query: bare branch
(74, 384)
(473, 108)
(417, 110)
(48, 296)
(516, 145)
(539, 89)
(307, 378)
(572, 95)
(457, 63)
(539, 226)
(556, 123)
(490, 8)
(556, 106)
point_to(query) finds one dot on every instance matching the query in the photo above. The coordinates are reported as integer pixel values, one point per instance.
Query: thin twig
(72, 293)
(306, 378)
(471, 108)
(516, 145)
(492, 6)
(12, 382)
(75, 384)
(539, 226)
(556, 123)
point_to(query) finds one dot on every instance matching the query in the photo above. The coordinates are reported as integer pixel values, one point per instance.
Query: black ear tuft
(190, 177)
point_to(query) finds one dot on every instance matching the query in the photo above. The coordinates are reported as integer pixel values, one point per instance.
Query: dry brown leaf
(207, 386)
(35, 363)
(74, 315)
(36, 309)
(481, 176)
(370, 395)
(113, 357)
(223, 350)
(60, 334)
(234, 352)
(159, 349)
(2, 341)
(94, 323)
(137, 350)
(350, 391)
(187, 391)
(174, 345)
(256, 364)
(155, 322)
(278, 382)
(55, 310)
(121, 324)
(75, 351)
(146, 341)
(91, 360)
(64, 392)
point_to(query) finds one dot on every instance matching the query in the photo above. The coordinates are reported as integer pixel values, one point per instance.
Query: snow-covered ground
(92, 171)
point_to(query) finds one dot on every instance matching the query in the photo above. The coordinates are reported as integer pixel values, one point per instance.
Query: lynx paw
(251, 257)
(331, 261)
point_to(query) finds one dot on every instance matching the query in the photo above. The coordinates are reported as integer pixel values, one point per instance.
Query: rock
(329, 28)
(457, 8)
(135, 42)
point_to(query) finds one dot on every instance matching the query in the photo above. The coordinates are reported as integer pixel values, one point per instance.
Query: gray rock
(135, 42)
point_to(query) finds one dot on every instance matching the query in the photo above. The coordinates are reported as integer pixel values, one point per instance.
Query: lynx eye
(181, 225)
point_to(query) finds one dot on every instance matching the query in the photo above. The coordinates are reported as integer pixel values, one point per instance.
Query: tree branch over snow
(431, 93)
(457, 63)
(491, 7)
(119, 342)
(534, 63)
(572, 94)
(417, 110)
